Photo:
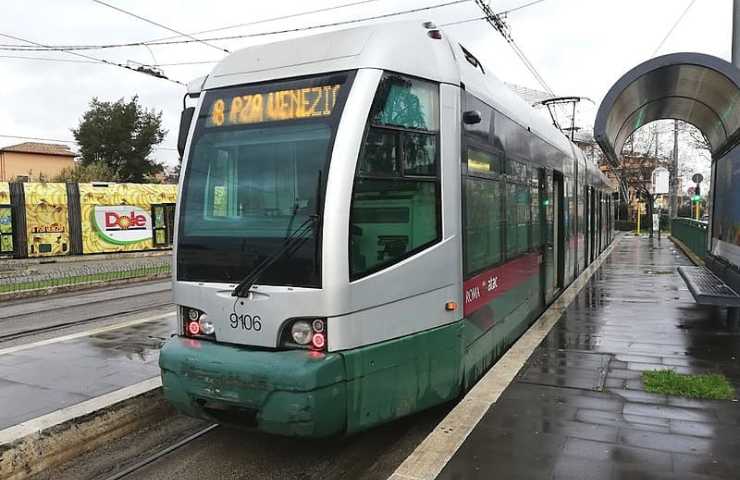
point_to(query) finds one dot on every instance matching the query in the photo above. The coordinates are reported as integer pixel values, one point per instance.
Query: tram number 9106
(245, 322)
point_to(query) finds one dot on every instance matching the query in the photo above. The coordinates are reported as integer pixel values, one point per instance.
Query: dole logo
(122, 224)
(132, 221)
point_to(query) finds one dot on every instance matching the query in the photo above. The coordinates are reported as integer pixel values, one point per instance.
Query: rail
(691, 233)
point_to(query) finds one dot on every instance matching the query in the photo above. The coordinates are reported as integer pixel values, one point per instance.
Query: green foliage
(120, 135)
(712, 386)
(93, 172)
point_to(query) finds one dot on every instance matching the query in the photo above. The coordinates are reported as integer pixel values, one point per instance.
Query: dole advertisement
(122, 224)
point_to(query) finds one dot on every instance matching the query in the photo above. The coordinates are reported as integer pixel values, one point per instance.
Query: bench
(708, 289)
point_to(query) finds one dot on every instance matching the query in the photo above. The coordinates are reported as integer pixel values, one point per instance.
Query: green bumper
(296, 393)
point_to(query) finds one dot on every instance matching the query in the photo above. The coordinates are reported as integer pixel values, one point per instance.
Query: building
(32, 161)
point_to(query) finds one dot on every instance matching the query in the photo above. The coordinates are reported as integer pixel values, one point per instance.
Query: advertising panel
(46, 219)
(726, 214)
(116, 217)
(6, 221)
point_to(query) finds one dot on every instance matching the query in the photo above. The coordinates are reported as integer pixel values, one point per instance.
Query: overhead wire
(500, 26)
(165, 27)
(58, 140)
(74, 142)
(272, 19)
(502, 13)
(69, 48)
(673, 27)
(88, 57)
(69, 60)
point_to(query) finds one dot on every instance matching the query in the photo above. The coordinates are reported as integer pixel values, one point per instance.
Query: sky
(580, 47)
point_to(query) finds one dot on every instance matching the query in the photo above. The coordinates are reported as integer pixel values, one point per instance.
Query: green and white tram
(367, 219)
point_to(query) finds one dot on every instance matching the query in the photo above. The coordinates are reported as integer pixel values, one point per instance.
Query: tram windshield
(256, 174)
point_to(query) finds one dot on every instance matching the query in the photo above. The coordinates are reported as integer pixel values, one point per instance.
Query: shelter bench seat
(708, 289)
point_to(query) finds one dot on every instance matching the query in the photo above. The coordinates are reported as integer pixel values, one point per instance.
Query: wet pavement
(37, 379)
(578, 409)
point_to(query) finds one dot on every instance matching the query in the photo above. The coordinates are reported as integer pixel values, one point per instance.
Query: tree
(93, 172)
(120, 136)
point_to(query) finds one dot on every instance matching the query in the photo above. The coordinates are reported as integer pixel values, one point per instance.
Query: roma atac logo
(122, 224)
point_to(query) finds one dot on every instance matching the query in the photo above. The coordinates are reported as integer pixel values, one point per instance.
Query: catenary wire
(495, 21)
(165, 27)
(675, 24)
(70, 48)
(272, 19)
(88, 57)
(43, 139)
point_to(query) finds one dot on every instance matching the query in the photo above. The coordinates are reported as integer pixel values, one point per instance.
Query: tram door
(592, 222)
(553, 260)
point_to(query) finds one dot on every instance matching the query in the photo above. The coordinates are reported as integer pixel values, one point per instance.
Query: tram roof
(699, 89)
(403, 47)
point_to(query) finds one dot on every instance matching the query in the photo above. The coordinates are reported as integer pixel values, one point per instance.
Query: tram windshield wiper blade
(289, 246)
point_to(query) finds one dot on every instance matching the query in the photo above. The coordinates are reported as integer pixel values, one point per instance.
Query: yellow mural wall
(46, 219)
(117, 217)
(4, 193)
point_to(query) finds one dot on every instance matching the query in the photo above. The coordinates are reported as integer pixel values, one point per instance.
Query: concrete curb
(435, 451)
(695, 259)
(38, 292)
(90, 425)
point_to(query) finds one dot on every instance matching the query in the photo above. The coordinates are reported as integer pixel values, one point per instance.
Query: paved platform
(39, 378)
(577, 410)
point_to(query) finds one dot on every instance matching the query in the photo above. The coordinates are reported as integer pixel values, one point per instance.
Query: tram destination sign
(272, 106)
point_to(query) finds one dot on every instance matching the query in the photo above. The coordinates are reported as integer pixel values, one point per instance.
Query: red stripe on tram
(485, 286)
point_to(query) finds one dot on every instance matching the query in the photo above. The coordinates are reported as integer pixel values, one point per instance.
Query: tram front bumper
(295, 393)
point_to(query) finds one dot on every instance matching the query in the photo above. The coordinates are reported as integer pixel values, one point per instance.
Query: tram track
(77, 323)
(128, 471)
(57, 313)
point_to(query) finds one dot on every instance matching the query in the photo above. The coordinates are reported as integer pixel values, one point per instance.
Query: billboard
(726, 208)
(116, 217)
(662, 180)
(46, 219)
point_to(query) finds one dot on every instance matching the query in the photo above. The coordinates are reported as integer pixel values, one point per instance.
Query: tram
(367, 219)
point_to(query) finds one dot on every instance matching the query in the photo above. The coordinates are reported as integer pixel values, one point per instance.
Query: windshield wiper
(291, 243)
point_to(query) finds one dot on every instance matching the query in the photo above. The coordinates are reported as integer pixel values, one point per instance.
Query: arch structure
(704, 91)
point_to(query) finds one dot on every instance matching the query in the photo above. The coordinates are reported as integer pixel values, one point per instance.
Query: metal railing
(691, 233)
(95, 273)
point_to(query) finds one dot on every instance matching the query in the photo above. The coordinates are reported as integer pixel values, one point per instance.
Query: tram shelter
(701, 90)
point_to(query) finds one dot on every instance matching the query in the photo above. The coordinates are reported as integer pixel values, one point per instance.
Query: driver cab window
(395, 201)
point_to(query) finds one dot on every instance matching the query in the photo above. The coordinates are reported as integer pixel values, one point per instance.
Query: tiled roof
(41, 148)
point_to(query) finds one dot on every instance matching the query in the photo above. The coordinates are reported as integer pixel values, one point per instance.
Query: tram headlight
(206, 324)
(193, 314)
(301, 332)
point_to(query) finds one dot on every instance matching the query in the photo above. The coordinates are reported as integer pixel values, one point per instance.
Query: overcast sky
(581, 47)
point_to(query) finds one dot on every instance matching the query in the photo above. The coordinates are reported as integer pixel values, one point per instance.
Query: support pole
(674, 177)
(736, 33)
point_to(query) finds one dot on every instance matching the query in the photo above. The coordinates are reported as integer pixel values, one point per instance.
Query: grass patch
(713, 386)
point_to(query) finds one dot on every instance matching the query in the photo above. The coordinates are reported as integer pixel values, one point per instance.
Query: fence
(691, 233)
(87, 274)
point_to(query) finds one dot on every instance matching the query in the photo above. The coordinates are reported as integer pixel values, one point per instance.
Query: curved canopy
(699, 89)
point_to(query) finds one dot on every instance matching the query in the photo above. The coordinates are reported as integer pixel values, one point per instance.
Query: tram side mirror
(182, 136)
(471, 117)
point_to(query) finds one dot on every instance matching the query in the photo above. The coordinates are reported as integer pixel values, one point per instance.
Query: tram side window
(483, 227)
(518, 213)
(534, 197)
(6, 230)
(395, 208)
